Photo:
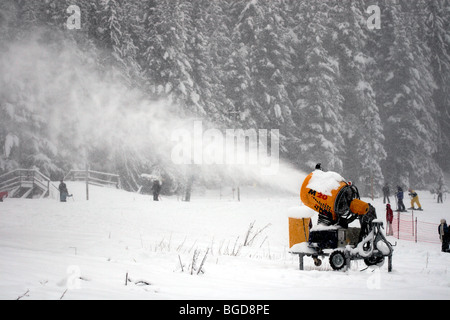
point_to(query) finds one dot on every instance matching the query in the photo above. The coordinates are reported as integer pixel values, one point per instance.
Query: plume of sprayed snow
(83, 106)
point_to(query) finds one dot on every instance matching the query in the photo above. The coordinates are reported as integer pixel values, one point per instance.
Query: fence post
(87, 182)
(34, 181)
(398, 225)
(416, 231)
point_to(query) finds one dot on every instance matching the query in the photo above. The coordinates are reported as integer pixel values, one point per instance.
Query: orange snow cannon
(337, 203)
(336, 200)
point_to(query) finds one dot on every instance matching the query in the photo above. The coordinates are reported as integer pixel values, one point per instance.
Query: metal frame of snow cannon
(368, 249)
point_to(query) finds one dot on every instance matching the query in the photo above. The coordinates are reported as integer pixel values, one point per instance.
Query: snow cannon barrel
(359, 207)
(335, 200)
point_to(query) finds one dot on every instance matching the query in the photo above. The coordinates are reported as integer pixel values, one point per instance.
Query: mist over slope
(62, 106)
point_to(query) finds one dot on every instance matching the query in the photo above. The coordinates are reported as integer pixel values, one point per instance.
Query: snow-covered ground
(86, 250)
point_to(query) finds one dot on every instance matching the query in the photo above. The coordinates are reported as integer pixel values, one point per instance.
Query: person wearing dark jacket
(439, 196)
(156, 188)
(400, 205)
(444, 235)
(63, 192)
(386, 193)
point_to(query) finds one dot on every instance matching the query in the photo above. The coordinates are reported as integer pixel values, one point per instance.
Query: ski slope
(87, 249)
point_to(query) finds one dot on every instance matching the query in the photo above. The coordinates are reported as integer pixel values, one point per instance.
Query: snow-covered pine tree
(164, 54)
(435, 21)
(206, 37)
(8, 21)
(405, 88)
(364, 131)
(115, 33)
(317, 100)
(25, 136)
(271, 72)
(244, 19)
(257, 68)
(146, 18)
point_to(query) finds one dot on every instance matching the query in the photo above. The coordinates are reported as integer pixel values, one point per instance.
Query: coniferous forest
(370, 103)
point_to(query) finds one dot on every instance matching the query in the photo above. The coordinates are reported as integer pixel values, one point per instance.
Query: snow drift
(86, 250)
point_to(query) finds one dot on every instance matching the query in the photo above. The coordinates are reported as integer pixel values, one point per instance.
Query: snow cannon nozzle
(359, 207)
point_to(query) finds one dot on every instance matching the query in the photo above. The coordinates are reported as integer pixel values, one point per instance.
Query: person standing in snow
(156, 188)
(386, 193)
(63, 192)
(440, 190)
(190, 182)
(414, 199)
(439, 196)
(400, 205)
(444, 235)
(3, 195)
(389, 218)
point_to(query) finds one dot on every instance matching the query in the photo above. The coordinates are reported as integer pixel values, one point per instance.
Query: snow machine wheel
(317, 262)
(374, 261)
(337, 260)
